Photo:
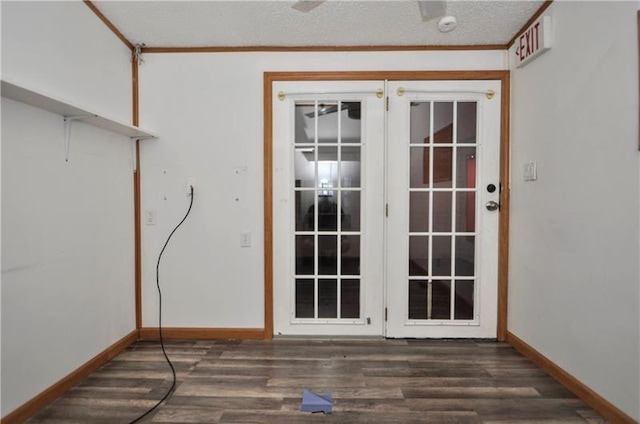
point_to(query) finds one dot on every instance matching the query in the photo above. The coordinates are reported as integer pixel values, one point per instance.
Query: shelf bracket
(134, 151)
(134, 154)
(67, 131)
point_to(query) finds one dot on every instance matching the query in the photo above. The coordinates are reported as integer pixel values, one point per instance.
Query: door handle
(492, 206)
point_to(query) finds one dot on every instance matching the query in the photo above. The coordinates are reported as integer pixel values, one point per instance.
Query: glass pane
(442, 211)
(443, 122)
(350, 246)
(327, 255)
(465, 255)
(420, 122)
(327, 213)
(418, 299)
(304, 163)
(466, 167)
(327, 170)
(304, 210)
(419, 167)
(441, 260)
(327, 179)
(305, 255)
(442, 167)
(327, 298)
(466, 212)
(351, 124)
(350, 210)
(350, 167)
(418, 255)
(304, 298)
(463, 307)
(467, 112)
(441, 300)
(327, 122)
(418, 211)
(304, 123)
(350, 299)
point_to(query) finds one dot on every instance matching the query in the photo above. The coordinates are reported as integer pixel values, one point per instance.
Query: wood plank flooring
(372, 381)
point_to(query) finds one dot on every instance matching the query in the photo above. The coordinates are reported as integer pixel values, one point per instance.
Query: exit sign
(534, 41)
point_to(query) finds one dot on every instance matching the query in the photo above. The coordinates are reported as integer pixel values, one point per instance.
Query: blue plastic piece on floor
(313, 402)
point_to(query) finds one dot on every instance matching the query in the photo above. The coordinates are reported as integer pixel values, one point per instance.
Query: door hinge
(386, 210)
(386, 314)
(387, 104)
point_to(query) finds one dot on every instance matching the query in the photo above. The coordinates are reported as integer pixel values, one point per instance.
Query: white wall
(63, 49)
(208, 110)
(67, 228)
(574, 274)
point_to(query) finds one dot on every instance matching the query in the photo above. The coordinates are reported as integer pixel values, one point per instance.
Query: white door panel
(443, 152)
(328, 163)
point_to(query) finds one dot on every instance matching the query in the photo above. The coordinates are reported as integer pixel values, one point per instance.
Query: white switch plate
(530, 171)
(245, 239)
(150, 217)
(191, 182)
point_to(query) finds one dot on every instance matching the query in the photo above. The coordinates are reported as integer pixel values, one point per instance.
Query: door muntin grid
(327, 188)
(442, 271)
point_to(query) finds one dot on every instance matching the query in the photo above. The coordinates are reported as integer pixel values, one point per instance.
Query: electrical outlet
(150, 217)
(191, 182)
(245, 239)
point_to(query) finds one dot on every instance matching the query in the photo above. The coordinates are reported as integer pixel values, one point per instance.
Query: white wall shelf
(61, 107)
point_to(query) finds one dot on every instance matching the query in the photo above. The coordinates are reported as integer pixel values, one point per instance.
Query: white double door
(379, 218)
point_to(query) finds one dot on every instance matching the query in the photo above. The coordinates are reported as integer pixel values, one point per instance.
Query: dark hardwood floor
(372, 381)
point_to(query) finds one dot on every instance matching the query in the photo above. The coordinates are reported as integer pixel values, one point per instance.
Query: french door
(328, 174)
(379, 219)
(443, 160)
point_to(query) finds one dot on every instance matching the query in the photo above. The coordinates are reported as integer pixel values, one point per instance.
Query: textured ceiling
(333, 23)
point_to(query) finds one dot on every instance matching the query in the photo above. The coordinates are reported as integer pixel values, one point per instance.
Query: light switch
(530, 171)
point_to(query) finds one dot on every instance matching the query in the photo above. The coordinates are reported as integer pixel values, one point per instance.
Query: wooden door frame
(503, 242)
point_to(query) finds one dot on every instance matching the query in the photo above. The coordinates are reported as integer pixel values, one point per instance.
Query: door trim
(503, 238)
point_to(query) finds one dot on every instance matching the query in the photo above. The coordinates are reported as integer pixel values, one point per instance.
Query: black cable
(164, 352)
